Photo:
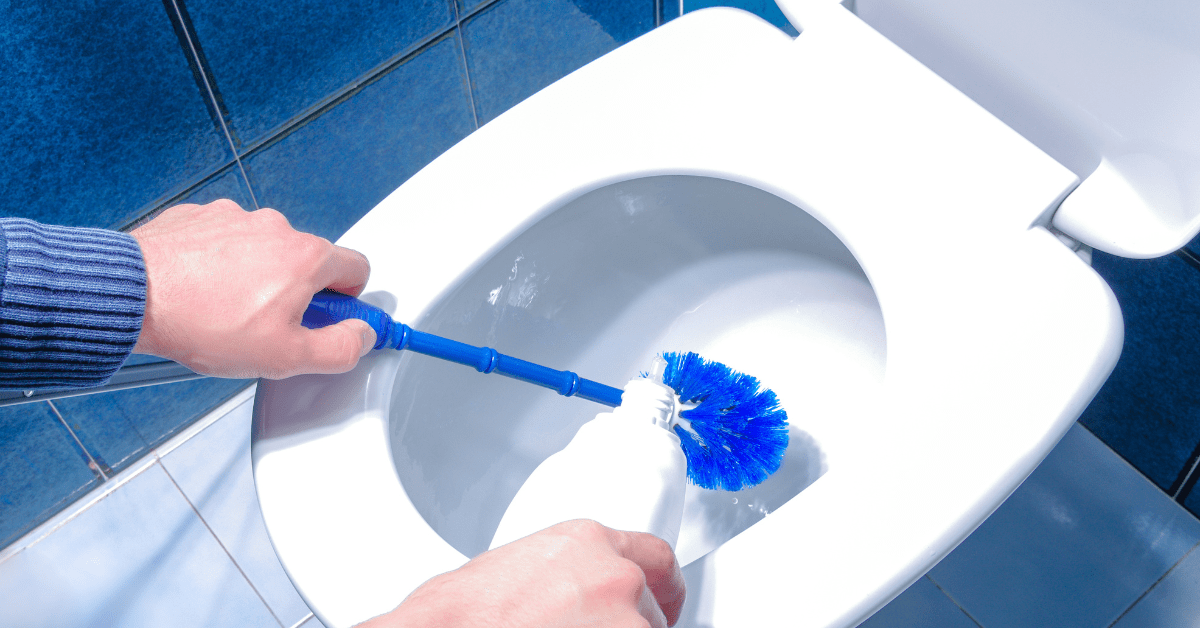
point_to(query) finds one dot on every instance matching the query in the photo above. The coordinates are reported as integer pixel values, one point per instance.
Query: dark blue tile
(119, 427)
(333, 170)
(766, 9)
(227, 183)
(465, 7)
(41, 469)
(669, 10)
(1149, 409)
(517, 47)
(102, 115)
(272, 60)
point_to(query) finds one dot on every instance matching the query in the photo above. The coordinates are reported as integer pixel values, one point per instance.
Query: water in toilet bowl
(599, 286)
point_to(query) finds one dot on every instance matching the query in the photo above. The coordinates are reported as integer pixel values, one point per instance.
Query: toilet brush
(731, 430)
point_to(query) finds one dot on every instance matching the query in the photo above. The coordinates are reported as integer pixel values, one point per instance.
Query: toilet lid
(1109, 89)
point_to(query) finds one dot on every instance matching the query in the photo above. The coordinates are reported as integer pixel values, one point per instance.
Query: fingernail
(368, 338)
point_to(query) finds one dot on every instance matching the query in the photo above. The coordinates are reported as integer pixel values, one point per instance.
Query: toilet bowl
(822, 212)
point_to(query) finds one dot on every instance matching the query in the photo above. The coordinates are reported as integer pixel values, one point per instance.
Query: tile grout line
(216, 538)
(93, 464)
(307, 617)
(953, 601)
(462, 47)
(212, 99)
(48, 527)
(1151, 587)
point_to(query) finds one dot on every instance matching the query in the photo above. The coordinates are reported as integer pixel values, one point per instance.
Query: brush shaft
(330, 307)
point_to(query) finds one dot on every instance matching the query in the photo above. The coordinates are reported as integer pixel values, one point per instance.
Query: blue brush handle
(329, 307)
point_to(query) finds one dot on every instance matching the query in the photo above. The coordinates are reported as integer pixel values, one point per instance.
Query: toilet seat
(943, 207)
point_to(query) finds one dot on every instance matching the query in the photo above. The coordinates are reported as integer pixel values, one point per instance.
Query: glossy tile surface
(119, 427)
(332, 171)
(923, 605)
(41, 468)
(1173, 603)
(1075, 545)
(517, 47)
(1149, 409)
(271, 60)
(139, 557)
(102, 115)
(213, 470)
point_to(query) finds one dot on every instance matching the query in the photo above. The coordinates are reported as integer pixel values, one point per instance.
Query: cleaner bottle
(624, 469)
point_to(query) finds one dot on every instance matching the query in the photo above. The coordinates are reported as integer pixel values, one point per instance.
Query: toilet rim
(929, 381)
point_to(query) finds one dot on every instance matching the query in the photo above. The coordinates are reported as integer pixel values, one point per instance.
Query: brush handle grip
(329, 307)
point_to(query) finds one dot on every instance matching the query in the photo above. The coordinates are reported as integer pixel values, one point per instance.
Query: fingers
(663, 576)
(345, 271)
(336, 348)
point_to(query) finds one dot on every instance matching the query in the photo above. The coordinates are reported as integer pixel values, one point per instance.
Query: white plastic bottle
(624, 469)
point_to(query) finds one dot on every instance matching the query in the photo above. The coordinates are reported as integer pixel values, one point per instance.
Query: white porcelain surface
(996, 335)
(1110, 89)
(1076, 545)
(139, 557)
(213, 470)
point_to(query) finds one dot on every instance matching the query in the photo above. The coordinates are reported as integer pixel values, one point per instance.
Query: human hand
(577, 573)
(226, 290)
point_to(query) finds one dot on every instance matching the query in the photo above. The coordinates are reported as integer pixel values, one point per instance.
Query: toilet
(907, 272)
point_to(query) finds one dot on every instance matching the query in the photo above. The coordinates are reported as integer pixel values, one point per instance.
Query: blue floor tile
(922, 605)
(330, 172)
(1173, 603)
(766, 9)
(1149, 409)
(272, 60)
(1076, 544)
(517, 47)
(119, 427)
(41, 469)
(102, 114)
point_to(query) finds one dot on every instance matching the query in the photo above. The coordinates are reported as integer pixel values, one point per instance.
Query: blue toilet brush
(733, 435)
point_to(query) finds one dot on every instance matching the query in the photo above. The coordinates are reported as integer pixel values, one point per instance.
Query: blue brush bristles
(738, 429)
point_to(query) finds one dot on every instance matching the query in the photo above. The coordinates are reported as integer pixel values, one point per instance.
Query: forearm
(71, 304)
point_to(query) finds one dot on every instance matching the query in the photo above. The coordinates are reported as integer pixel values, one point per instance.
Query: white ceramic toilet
(822, 212)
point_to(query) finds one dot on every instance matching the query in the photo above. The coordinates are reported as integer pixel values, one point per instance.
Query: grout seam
(462, 48)
(1151, 587)
(98, 467)
(214, 102)
(216, 538)
(954, 601)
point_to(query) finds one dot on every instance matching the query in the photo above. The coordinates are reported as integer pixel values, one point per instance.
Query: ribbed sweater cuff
(71, 305)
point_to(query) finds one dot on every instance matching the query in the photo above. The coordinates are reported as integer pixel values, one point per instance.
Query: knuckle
(624, 580)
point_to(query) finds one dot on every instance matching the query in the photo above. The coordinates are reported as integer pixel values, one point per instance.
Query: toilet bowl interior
(599, 286)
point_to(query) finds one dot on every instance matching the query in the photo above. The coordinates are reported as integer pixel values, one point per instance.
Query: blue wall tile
(226, 183)
(766, 9)
(923, 604)
(102, 115)
(271, 60)
(517, 47)
(41, 469)
(1149, 409)
(333, 170)
(119, 427)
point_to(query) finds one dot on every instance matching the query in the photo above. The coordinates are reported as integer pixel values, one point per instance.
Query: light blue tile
(41, 469)
(921, 605)
(330, 172)
(138, 558)
(1075, 545)
(517, 47)
(213, 470)
(1173, 603)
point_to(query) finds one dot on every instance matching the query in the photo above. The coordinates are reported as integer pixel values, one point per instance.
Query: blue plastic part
(330, 307)
(738, 433)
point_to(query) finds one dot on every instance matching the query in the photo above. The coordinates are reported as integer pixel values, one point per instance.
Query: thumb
(337, 348)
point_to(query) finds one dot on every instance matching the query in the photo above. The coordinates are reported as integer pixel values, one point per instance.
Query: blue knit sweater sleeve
(71, 304)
